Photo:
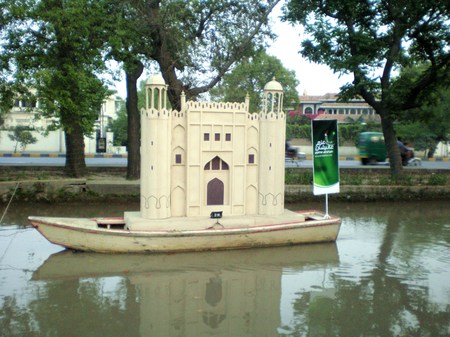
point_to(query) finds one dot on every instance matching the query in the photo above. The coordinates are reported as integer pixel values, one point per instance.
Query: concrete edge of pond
(64, 190)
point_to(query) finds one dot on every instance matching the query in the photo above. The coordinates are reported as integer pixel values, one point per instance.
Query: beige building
(211, 156)
(317, 106)
(26, 112)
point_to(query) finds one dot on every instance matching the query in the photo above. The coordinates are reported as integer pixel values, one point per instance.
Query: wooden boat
(112, 235)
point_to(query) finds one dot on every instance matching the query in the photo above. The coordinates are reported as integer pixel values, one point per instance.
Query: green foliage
(22, 136)
(119, 127)
(437, 179)
(298, 131)
(428, 124)
(298, 119)
(55, 47)
(347, 132)
(367, 39)
(251, 75)
(296, 177)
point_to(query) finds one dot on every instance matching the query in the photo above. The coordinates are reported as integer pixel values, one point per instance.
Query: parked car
(371, 147)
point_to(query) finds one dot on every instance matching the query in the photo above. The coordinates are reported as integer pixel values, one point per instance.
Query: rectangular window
(228, 137)
(206, 137)
(217, 137)
(251, 158)
(178, 159)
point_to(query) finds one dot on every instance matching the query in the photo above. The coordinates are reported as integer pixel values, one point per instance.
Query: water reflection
(201, 294)
(387, 275)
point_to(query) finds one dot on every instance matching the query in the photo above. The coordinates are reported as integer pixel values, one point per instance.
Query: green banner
(325, 157)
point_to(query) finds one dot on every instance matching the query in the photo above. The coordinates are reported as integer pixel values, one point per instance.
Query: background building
(26, 113)
(318, 107)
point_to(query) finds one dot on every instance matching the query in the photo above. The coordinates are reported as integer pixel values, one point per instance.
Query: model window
(216, 164)
(228, 137)
(206, 137)
(217, 137)
(251, 158)
(178, 159)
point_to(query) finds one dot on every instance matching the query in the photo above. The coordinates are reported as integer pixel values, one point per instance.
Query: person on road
(405, 152)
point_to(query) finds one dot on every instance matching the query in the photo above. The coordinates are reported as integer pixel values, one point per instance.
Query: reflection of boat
(172, 235)
(69, 265)
(222, 293)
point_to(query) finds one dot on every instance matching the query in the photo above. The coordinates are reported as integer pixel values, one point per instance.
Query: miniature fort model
(212, 177)
(210, 157)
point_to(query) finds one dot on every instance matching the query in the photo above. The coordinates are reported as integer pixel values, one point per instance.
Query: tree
(251, 75)
(428, 125)
(54, 46)
(22, 136)
(119, 127)
(193, 44)
(372, 40)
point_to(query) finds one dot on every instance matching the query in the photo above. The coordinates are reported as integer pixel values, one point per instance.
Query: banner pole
(326, 206)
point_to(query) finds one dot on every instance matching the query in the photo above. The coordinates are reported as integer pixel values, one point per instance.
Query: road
(431, 165)
(122, 162)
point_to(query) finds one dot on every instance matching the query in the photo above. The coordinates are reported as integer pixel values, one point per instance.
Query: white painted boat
(112, 235)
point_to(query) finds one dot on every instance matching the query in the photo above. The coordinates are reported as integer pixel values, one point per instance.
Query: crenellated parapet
(178, 114)
(253, 116)
(155, 113)
(217, 106)
(272, 116)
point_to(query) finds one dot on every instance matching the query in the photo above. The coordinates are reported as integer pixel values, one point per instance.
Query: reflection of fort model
(227, 293)
(211, 156)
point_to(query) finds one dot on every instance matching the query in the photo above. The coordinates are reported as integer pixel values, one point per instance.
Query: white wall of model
(211, 156)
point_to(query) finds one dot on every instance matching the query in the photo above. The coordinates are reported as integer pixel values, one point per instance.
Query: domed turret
(155, 79)
(273, 86)
(156, 92)
(273, 97)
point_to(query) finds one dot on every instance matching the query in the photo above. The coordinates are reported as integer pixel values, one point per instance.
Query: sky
(315, 79)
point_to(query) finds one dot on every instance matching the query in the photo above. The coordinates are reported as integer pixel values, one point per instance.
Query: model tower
(155, 151)
(272, 126)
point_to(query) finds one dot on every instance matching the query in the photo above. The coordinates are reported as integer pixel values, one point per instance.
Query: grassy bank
(101, 184)
(375, 177)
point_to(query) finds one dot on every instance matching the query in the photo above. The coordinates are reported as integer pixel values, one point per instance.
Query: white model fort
(211, 156)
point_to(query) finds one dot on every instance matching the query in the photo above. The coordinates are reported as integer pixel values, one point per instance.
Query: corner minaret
(155, 151)
(272, 151)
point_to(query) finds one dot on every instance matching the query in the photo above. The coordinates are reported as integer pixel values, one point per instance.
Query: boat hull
(111, 236)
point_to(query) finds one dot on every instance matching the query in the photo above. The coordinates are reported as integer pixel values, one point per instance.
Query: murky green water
(387, 275)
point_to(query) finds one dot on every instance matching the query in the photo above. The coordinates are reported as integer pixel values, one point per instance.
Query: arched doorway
(215, 192)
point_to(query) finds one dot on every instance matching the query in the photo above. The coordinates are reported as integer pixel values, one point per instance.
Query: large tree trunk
(75, 162)
(431, 151)
(133, 72)
(390, 140)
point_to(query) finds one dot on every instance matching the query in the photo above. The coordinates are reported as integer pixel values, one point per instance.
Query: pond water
(388, 274)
